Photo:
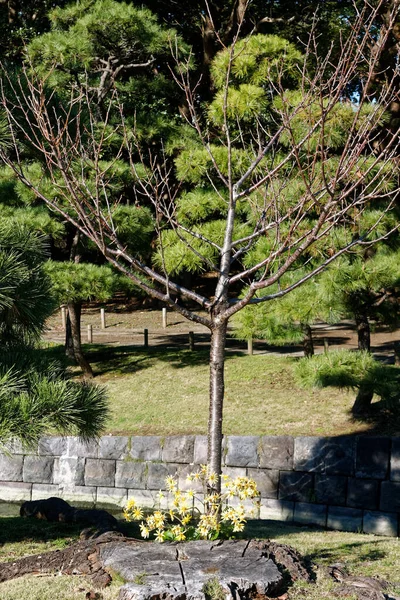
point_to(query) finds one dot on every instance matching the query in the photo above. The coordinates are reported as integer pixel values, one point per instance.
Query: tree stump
(172, 571)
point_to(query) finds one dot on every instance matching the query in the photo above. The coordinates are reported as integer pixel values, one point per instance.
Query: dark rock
(49, 509)
(57, 509)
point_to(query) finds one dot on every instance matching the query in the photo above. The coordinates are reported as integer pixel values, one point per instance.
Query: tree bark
(363, 400)
(217, 388)
(363, 332)
(74, 310)
(308, 345)
(75, 257)
(69, 345)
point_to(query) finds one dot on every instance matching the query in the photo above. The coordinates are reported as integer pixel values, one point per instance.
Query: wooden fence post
(103, 318)
(146, 338)
(164, 318)
(191, 341)
(397, 353)
(250, 346)
(89, 334)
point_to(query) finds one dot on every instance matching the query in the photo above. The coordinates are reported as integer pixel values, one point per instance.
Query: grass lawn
(362, 554)
(163, 391)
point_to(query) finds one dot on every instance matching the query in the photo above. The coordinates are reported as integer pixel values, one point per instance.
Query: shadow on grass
(366, 549)
(376, 385)
(59, 535)
(123, 360)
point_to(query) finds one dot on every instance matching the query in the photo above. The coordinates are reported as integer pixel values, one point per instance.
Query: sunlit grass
(165, 391)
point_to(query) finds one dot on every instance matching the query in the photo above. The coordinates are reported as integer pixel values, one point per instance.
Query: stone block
(111, 496)
(333, 456)
(276, 452)
(251, 508)
(52, 446)
(363, 493)
(200, 450)
(157, 473)
(148, 499)
(146, 447)
(100, 472)
(69, 471)
(330, 489)
(390, 496)
(276, 510)
(309, 454)
(183, 472)
(38, 469)
(11, 468)
(76, 447)
(79, 494)
(113, 447)
(380, 523)
(131, 474)
(44, 490)
(15, 491)
(15, 447)
(267, 481)
(242, 451)
(178, 449)
(372, 457)
(395, 460)
(344, 519)
(340, 455)
(310, 514)
(298, 487)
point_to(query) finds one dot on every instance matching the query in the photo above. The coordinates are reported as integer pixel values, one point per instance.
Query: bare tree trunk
(308, 345)
(217, 387)
(74, 256)
(74, 310)
(363, 332)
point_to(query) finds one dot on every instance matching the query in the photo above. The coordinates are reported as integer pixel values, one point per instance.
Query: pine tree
(36, 395)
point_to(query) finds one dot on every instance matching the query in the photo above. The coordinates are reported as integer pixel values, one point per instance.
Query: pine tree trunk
(363, 400)
(217, 364)
(74, 310)
(308, 345)
(69, 345)
(363, 332)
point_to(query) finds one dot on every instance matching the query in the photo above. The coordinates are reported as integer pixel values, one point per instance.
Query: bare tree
(334, 191)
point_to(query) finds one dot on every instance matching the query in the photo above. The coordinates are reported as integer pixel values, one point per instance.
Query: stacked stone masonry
(346, 483)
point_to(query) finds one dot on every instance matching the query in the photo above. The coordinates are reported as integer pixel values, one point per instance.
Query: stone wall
(346, 483)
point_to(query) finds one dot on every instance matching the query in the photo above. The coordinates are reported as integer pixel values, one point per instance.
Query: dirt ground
(125, 326)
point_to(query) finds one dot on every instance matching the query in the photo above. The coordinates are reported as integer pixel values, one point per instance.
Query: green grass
(165, 391)
(361, 554)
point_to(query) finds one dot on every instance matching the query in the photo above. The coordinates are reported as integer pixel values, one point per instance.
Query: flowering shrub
(194, 518)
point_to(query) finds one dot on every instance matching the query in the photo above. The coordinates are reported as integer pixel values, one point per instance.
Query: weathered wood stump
(179, 571)
(242, 568)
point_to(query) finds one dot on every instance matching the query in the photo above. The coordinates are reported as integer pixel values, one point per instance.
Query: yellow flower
(212, 479)
(137, 514)
(144, 531)
(159, 519)
(186, 519)
(178, 532)
(171, 483)
(159, 535)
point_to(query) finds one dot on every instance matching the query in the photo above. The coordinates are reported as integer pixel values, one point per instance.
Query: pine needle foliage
(352, 370)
